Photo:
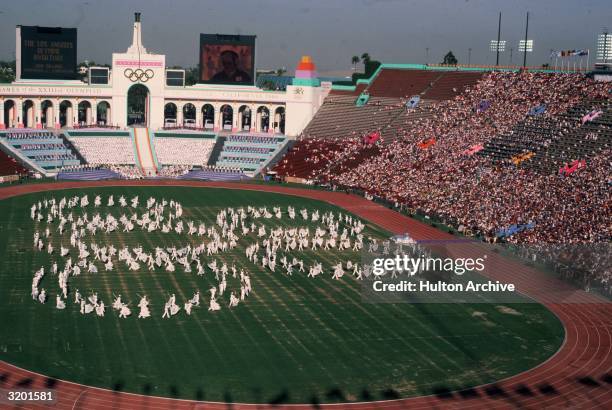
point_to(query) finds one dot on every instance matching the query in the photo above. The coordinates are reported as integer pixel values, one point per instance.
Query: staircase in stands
(144, 152)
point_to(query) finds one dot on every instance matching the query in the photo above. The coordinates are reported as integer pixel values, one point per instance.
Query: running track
(578, 376)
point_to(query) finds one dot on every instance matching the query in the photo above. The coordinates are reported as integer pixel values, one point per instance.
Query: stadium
(422, 236)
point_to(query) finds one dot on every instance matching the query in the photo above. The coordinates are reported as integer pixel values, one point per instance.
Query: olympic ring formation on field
(138, 75)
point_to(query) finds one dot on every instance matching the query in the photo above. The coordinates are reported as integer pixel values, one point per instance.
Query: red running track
(578, 376)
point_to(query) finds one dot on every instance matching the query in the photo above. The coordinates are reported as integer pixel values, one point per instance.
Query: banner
(517, 159)
(512, 229)
(427, 143)
(591, 116)
(371, 138)
(483, 106)
(473, 149)
(539, 110)
(568, 169)
(414, 101)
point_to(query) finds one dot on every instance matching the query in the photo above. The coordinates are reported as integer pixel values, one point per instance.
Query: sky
(331, 31)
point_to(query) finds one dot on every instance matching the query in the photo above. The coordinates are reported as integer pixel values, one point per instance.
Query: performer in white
(188, 306)
(59, 303)
(42, 296)
(100, 309)
(214, 306)
(233, 300)
(144, 308)
(125, 311)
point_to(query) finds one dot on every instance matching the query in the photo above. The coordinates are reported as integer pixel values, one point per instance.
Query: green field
(295, 339)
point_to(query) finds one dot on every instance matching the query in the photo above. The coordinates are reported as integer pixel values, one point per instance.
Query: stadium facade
(35, 103)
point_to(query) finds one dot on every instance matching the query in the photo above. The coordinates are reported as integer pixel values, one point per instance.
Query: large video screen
(48, 53)
(227, 59)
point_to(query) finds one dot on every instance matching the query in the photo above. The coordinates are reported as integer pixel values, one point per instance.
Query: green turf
(294, 340)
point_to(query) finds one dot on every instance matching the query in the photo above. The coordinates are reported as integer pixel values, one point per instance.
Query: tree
(280, 71)
(7, 71)
(450, 59)
(365, 58)
(355, 61)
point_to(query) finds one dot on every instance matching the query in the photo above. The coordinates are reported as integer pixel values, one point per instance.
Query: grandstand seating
(249, 152)
(9, 166)
(397, 83)
(98, 148)
(555, 140)
(339, 116)
(582, 141)
(46, 149)
(451, 84)
(183, 150)
(310, 157)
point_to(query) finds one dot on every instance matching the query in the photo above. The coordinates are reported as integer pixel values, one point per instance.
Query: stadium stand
(392, 83)
(9, 166)
(428, 166)
(183, 149)
(44, 148)
(339, 116)
(249, 152)
(98, 147)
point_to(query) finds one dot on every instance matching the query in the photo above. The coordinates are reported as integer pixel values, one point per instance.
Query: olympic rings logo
(138, 74)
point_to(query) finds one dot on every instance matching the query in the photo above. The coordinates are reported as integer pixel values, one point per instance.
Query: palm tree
(365, 59)
(355, 61)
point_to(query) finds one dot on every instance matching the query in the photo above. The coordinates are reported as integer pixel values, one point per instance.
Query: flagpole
(588, 55)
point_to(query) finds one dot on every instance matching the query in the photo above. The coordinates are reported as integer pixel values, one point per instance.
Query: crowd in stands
(315, 158)
(183, 151)
(127, 171)
(173, 171)
(105, 150)
(427, 171)
(9, 166)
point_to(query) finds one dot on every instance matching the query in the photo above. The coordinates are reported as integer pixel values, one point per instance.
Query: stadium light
(604, 47)
(529, 47)
(498, 46)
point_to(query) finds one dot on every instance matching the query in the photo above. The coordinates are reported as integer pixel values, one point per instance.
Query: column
(94, 113)
(56, 114)
(49, 116)
(18, 113)
(179, 115)
(109, 117)
(38, 110)
(271, 120)
(239, 122)
(69, 116)
(252, 119)
(198, 117)
(29, 117)
(88, 115)
(218, 118)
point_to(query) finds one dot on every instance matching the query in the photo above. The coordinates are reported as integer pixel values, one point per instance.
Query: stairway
(144, 151)
(216, 151)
